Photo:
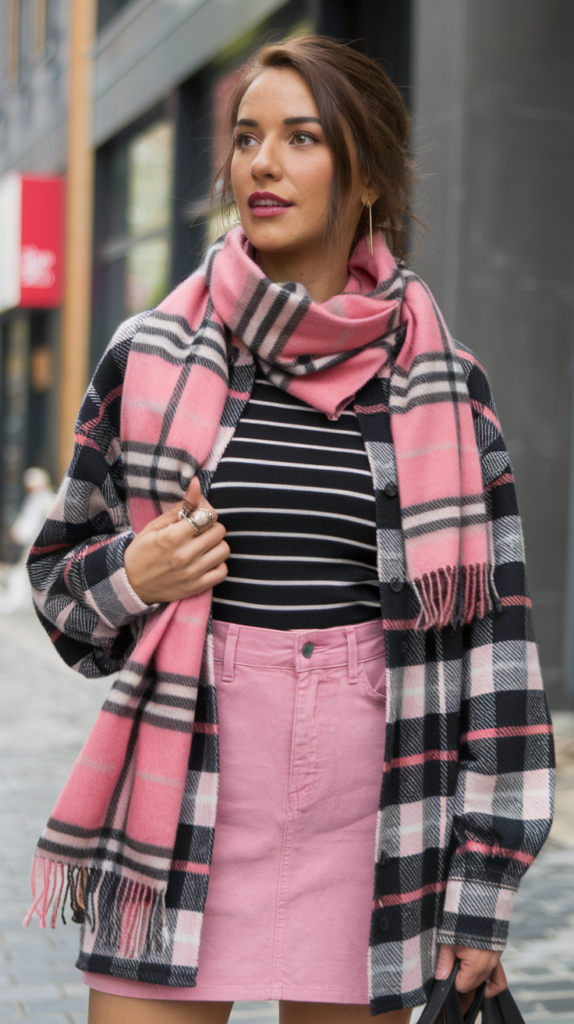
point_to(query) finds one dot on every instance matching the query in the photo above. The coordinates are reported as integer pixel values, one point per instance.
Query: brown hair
(349, 86)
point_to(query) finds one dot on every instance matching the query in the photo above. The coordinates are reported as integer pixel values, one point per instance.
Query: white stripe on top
(295, 492)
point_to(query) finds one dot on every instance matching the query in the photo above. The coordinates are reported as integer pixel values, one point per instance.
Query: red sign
(42, 242)
(31, 241)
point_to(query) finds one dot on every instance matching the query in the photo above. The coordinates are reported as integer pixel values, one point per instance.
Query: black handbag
(443, 1005)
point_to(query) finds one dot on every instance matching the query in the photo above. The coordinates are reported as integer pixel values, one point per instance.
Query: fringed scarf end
(49, 885)
(455, 596)
(55, 886)
(126, 914)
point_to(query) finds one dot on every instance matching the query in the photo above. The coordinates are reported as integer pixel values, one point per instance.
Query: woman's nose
(266, 164)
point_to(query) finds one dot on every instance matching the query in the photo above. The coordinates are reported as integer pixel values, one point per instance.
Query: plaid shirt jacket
(466, 797)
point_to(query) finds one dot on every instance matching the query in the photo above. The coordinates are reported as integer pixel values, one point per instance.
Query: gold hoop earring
(370, 223)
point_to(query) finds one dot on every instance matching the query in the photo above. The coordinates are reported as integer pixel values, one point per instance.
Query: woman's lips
(267, 204)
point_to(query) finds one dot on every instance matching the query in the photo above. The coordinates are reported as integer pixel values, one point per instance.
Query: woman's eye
(303, 138)
(244, 141)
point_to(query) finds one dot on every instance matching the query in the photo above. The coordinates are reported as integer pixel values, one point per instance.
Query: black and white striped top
(295, 493)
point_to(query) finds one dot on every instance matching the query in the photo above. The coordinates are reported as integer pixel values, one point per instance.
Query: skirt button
(307, 650)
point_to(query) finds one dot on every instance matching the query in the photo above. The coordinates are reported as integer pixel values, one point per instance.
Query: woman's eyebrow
(249, 122)
(301, 120)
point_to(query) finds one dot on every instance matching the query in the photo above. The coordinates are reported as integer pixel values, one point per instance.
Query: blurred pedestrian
(35, 508)
(365, 668)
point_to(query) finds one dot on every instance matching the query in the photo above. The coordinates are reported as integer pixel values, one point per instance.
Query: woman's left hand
(476, 966)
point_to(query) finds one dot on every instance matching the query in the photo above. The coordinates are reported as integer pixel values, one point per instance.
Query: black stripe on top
(295, 493)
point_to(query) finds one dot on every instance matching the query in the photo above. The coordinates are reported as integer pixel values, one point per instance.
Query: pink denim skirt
(302, 731)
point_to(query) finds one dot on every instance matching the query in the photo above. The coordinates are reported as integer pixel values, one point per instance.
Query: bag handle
(442, 997)
(500, 1009)
(477, 1005)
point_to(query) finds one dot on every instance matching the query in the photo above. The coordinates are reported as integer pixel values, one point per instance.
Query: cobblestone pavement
(539, 958)
(46, 712)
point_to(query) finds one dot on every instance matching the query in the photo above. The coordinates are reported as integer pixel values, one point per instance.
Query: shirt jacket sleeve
(79, 584)
(504, 796)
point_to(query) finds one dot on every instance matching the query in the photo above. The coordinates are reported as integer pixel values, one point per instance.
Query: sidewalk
(47, 711)
(539, 959)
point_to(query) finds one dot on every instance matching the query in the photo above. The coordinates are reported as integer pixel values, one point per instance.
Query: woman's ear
(370, 193)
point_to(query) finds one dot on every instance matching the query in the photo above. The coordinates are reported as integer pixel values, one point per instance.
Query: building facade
(491, 91)
(33, 115)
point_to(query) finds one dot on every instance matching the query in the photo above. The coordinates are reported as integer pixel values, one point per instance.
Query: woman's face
(282, 167)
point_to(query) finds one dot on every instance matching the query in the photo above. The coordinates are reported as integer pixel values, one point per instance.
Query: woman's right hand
(168, 560)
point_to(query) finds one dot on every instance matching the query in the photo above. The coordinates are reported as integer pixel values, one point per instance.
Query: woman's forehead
(281, 91)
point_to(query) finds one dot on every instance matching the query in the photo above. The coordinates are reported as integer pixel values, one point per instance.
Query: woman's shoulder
(469, 359)
(100, 411)
(475, 375)
(495, 462)
(118, 348)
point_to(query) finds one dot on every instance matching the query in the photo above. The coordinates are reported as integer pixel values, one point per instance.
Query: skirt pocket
(372, 678)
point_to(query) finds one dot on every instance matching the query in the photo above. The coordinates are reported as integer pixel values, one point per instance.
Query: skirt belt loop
(352, 653)
(229, 653)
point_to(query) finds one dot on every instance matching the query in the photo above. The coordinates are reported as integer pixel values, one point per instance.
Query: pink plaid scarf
(384, 323)
(110, 841)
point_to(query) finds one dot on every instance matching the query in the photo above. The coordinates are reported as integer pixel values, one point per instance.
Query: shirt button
(391, 490)
(396, 586)
(404, 647)
(307, 650)
(384, 924)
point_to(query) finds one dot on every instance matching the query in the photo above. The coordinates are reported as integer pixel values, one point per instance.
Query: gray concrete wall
(494, 130)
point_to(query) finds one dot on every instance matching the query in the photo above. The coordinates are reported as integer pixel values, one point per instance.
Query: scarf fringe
(121, 913)
(455, 596)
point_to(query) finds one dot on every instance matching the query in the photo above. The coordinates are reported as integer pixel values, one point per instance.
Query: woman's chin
(273, 239)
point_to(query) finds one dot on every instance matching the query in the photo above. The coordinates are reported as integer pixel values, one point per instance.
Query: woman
(370, 618)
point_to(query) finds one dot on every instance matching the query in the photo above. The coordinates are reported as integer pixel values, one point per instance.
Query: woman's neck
(323, 274)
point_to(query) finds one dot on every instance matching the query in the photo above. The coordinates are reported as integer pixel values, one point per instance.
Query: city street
(47, 711)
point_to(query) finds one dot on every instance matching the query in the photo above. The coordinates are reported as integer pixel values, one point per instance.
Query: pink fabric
(325, 352)
(175, 420)
(291, 887)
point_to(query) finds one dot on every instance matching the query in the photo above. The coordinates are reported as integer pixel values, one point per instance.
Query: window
(133, 223)
(148, 216)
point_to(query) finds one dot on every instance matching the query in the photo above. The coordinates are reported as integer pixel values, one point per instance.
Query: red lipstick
(267, 204)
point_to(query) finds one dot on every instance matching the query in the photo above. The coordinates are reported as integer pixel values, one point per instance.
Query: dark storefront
(28, 346)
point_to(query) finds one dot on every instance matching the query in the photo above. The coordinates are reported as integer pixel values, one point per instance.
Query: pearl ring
(200, 518)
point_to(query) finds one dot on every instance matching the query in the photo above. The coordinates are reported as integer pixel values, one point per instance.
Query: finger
(445, 962)
(195, 498)
(497, 982)
(182, 537)
(209, 560)
(160, 522)
(209, 580)
(214, 576)
(476, 965)
(191, 570)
